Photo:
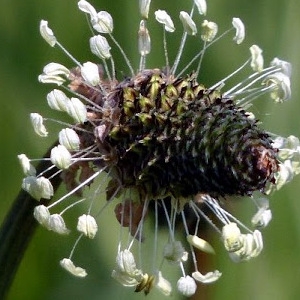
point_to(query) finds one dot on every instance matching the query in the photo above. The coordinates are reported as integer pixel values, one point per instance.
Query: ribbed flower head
(166, 145)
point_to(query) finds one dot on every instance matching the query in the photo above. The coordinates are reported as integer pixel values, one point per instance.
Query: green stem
(18, 229)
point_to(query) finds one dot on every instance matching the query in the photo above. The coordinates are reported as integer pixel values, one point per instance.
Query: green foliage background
(272, 24)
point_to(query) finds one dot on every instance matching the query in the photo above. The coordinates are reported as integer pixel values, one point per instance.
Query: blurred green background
(272, 24)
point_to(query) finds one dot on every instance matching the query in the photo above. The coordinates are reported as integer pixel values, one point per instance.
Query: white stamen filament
(82, 184)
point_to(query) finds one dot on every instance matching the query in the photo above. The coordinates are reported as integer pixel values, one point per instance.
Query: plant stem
(18, 229)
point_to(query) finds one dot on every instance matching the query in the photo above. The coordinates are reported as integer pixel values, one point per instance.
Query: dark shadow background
(272, 24)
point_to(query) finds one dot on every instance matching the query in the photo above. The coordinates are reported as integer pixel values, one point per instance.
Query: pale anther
(231, 235)
(144, 6)
(55, 79)
(58, 100)
(87, 225)
(38, 125)
(285, 67)
(188, 23)
(207, 278)
(262, 218)
(239, 30)
(90, 73)
(285, 174)
(100, 47)
(208, 30)
(126, 271)
(61, 157)
(162, 17)
(28, 168)
(200, 244)
(257, 60)
(47, 33)
(202, 6)
(41, 214)
(38, 188)
(281, 84)
(186, 285)
(77, 110)
(162, 284)
(144, 41)
(87, 8)
(69, 138)
(57, 224)
(54, 69)
(252, 247)
(68, 265)
(175, 252)
(103, 23)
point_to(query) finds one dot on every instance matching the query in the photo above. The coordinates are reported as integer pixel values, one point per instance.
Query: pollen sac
(100, 47)
(28, 168)
(163, 285)
(37, 122)
(239, 30)
(209, 277)
(144, 6)
(87, 225)
(184, 140)
(68, 265)
(202, 6)
(186, 285)
(188, 24)
(174, 252)
(61, 157)
(41, 214)
(144, 39)
(69, 139)
(57, 224)
(209, 31)
(38, 187)
(47, 33)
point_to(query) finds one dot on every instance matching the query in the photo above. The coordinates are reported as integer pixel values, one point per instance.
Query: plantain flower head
(169, 150)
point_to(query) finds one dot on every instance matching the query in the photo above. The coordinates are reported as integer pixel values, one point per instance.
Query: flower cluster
(163, 144)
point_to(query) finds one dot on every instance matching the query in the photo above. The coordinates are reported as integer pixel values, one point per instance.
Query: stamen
(84, 183)
(222, 81)
(123, 54)
(154, 259)
(180, 50)
(75, 245)
(194, 257)
(171, 232)
(72, 205)
(263, 74)
(201, 53)
(69, 54)
(198, 212)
